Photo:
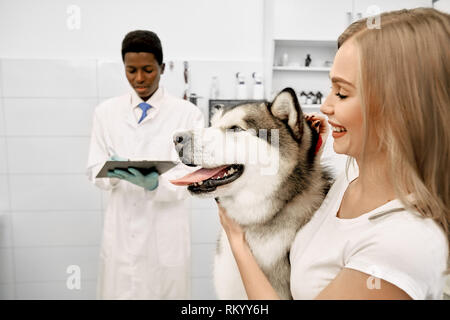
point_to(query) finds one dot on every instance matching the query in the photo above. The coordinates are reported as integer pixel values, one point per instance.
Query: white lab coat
(145, 252)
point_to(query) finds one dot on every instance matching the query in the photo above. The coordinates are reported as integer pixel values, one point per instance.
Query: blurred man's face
(143, 73)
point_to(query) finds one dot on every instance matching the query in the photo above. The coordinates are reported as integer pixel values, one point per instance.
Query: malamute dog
(271, 198)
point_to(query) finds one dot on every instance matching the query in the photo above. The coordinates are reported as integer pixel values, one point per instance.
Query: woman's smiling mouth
(337, 130)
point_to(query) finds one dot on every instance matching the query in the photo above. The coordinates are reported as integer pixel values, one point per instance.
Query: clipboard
(145, 166)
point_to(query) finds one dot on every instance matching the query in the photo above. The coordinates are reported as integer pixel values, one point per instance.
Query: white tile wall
(1, 84)
(53, 192)
(43, 154)
(204, 203)
(2, 119)
(7, 291)
(44, 131)
(203, 289)
(202, 259)
(55, 290)
(3, 160)
(5, 230)
(6, 265)
(55, 213)
(111, 79)
(200, 219)
(36, 229)
(38, 264)
(49, 116)
(32, 78)
(4, 193)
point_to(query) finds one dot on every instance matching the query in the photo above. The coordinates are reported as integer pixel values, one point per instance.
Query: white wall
(218, 38)
(443, 5)
(189, 30)
(51, 78)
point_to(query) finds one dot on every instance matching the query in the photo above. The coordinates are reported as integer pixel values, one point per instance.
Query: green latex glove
(115, 157)
(149, 182)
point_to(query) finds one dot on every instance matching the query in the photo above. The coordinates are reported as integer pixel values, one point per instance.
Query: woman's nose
(327, 106)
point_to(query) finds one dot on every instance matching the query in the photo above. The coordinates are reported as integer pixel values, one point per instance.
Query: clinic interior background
(54, 71)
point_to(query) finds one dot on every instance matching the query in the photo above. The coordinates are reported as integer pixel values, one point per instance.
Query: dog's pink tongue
(197, 176)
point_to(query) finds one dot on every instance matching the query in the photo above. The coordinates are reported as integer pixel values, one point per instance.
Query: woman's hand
(232, 228)
(318, 122)
(255, 281)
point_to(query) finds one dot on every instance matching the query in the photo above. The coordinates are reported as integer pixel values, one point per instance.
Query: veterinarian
(382, 230)
(145, 252)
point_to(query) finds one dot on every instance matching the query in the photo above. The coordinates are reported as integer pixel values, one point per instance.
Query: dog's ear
(286, 107)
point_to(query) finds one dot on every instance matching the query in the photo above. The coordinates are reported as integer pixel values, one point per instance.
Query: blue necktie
(144, 106)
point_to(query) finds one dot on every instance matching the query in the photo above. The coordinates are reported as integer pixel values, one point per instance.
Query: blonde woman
(382, 231)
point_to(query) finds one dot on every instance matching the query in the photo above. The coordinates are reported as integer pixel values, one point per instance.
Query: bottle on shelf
(311, 98)
(319, 97)
(214, 93)
(303, 97)
(285, 59)
(308, 60)
(258, 88)
(241, 90)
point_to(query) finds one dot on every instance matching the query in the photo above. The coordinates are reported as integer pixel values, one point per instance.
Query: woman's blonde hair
(404, 77)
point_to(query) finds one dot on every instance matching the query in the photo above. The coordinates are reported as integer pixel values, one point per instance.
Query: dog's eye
(236, 129)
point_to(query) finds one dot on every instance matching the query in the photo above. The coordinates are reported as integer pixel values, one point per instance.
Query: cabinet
(326, 19)
(288, 68)
(310, 20)
(366, 8)
(296, 28)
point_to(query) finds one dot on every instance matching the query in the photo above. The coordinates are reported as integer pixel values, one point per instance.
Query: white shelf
(306, 43)
(308, 69)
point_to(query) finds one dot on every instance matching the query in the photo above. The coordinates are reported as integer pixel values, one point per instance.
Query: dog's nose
(184, 147)
(182, 137)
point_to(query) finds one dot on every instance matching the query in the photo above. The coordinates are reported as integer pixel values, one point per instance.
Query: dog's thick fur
(271, 208)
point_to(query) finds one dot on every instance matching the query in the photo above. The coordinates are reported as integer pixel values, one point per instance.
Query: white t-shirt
(389, 243)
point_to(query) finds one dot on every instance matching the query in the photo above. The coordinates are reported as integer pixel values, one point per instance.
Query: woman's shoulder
(405, 249)
(411, 223)
(408, 236)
